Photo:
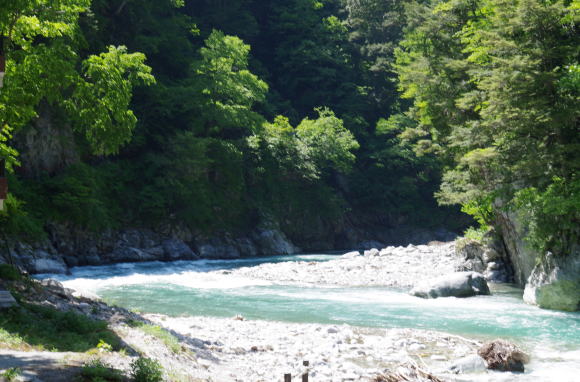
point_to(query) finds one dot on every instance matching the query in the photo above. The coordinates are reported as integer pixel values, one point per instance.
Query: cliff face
(551, 281)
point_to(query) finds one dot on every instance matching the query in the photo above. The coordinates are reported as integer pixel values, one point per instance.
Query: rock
(555, 282)
(372, 252)
(214, 249)
(470, 364)
(351, 255)
(6, 299)
(129, 254)
(57, 288)
(274, 242)
(39, 261)
(177, 250)
(503, 356)
(246, 247)
(460, 284)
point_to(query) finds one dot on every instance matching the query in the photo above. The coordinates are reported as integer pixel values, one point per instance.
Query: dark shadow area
(50, 329)
(42, 366)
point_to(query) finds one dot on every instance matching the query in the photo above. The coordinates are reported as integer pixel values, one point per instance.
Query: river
(209, 288)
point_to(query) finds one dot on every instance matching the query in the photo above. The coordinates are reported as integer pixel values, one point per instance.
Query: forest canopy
(317, 114)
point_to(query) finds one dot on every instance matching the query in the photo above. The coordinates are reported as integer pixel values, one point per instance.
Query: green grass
(43, 328)
(97, 371)
(161, 334)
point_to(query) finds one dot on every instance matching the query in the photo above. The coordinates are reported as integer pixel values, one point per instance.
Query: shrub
(11, 374)
(97, 371)
(146, 370)
(8, 272)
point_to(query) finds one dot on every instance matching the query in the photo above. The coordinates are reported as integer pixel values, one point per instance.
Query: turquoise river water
(193, 288)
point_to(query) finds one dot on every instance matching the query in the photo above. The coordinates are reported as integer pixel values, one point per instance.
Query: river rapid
(225, 288)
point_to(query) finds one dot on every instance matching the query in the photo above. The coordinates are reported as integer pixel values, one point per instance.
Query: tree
(226, 90)
(41, 40)
(495, 91)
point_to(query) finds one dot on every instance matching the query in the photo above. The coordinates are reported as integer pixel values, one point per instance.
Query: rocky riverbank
(402, 267)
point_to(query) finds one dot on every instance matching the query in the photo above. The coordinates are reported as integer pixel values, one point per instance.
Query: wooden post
(305, 375)
(287, 378)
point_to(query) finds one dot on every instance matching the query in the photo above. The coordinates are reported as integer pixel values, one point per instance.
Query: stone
(372, 252)
(6, 299)
(246, 247)
(502, 355)
(177, 250)
(214, 249)
(351, 255)
(459, 284)
(57, 288)
(274, 242)
(129, 254)
(555, 282)
(470, 364)
(44, 262)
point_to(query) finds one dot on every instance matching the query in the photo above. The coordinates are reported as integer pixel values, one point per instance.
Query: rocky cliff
(551, 280)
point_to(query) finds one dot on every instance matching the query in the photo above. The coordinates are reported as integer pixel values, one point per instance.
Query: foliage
(41, 40)
(146, 370)
(32, 326)
(494, 89)
(551, 216)
(194, 147)
(96, 371)
(9, 272)
(11, 374)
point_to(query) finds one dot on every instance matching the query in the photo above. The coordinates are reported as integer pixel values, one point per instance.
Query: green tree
(494, 90)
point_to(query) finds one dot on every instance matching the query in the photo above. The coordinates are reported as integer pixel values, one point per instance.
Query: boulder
(470, 364)
(460, 284)
(372, 252)
(273, 242)
(40, 261)
(177, 250)
(129, 255)
(351, 255)
(57, 288)
(503, 356)
(555, 282)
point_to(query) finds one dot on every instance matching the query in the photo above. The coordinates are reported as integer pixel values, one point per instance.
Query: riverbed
(351, 317)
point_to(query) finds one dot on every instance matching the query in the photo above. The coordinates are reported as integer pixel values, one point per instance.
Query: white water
(207, 288)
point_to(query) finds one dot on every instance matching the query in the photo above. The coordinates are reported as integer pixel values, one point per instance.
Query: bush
(8, 272)
(97, 371)
(146, 370)
(11, 374)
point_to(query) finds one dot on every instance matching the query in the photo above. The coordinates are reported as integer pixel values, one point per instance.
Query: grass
(161, 334)
(97, 371)
(37, 327)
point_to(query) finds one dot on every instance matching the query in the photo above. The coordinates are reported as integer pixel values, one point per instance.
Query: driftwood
(503, 356)
(409, 372)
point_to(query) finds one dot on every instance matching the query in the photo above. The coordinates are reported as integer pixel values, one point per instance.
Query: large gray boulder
(555, 282)
(274, 242)
(40, 261)
(459, 284)
(177, 250)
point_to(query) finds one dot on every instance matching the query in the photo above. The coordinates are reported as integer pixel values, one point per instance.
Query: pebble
(390, 266)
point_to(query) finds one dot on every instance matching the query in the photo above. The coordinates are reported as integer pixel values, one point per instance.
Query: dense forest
(315, 114)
